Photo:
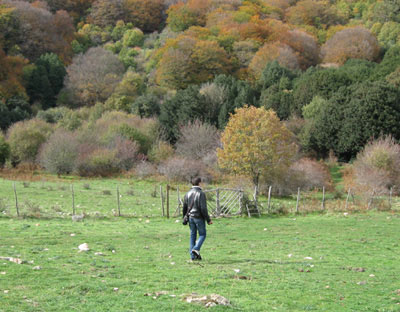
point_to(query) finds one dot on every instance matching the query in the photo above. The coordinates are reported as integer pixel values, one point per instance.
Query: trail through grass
(315, 262)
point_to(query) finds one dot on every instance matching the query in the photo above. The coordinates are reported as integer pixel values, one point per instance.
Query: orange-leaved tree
(256, 144)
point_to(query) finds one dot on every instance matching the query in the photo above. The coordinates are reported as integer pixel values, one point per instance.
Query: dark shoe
(196, 254)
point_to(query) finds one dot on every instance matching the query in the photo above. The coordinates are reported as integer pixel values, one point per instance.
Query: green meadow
(329, 262)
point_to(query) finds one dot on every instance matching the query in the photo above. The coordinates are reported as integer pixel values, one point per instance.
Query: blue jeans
(196, 225)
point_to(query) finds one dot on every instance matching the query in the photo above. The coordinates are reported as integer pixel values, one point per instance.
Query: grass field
(355, 264)
(53, 198)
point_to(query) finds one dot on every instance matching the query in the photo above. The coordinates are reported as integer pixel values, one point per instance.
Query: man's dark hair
(196, 181)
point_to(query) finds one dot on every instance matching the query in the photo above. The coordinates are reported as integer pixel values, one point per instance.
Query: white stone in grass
(83, 247)
(289, 255)
(147, 221)
(236, 270)
(37, 267)
(371, 275)
(265, 229)
(307, 258)
(72, 234)
(327, 286)
(116, 289)
(345, 214)
(113, 251)
(172, 263)
(98, 254)
(6, 291)
(3, 273)
(177, 221)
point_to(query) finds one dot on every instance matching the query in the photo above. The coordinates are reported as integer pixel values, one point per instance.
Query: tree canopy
(256, 143)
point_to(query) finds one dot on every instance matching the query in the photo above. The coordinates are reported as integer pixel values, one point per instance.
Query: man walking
(195, 205)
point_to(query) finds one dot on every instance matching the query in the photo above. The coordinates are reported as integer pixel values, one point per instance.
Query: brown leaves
(357, 42)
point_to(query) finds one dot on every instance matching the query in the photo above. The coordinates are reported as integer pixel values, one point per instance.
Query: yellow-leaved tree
(256, 144)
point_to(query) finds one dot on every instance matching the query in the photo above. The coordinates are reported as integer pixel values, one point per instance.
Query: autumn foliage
(187, 60)
(358, 43)
(257, 144)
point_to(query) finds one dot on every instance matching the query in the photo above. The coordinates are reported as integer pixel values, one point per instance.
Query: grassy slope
(152, 257)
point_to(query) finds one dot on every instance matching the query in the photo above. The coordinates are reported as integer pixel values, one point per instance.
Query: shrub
(132, 127)
(311, 174)
(125, 152)
(181, 169)
(145, 169)
(160, 151)
(4, 150)
(136, 135)
(100, 162)
(305, 173)
(25, 139)
(197, 140)
(59, 153)
(377, 167)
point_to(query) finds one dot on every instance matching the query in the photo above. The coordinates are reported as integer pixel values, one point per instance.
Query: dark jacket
(197, 198)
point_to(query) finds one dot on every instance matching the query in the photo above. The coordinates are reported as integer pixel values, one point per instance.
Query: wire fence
(87, 198)
(107, 198)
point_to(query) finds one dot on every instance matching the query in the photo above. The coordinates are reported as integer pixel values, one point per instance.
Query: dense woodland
(122, 82)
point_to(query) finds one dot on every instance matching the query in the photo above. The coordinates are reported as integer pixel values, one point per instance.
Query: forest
(106, 86)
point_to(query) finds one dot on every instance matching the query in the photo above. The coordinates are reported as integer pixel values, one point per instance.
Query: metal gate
(224, 201)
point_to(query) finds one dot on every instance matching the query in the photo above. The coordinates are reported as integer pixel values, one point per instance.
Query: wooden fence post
(162, 200)
(323, 198)
(217, 199)
(371, 199)
(240, 201)
(269, 199)
(255, 196)
(347, 199)
(119, 206)
(298, 200)
(73, 199)
(168, 200)
(390, 197)
(179, 201)
(16, 199)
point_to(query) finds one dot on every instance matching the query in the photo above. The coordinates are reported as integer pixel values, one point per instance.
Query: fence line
(56, 199)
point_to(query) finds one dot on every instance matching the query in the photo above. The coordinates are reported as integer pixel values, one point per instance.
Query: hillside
(329, 69)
